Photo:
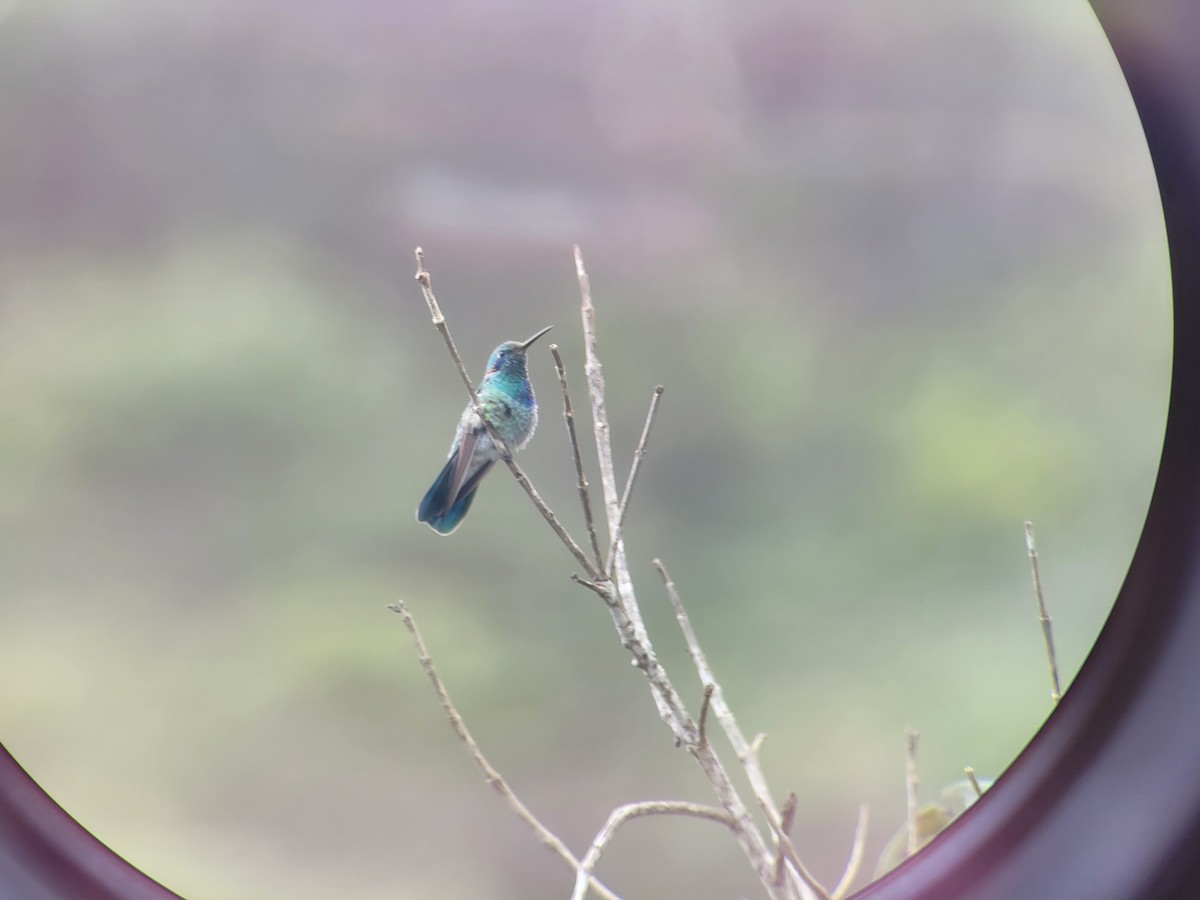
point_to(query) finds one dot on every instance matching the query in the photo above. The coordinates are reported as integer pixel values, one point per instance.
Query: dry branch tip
(911, 782)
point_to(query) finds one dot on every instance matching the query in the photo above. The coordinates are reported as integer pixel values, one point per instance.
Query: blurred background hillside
(899, 266)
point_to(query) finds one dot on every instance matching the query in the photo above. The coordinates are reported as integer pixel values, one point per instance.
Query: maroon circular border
(1104, 802)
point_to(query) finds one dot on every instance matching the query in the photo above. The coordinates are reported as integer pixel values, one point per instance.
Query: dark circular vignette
(1105, 800)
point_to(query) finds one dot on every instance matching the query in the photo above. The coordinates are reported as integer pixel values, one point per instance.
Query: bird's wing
(466, 453)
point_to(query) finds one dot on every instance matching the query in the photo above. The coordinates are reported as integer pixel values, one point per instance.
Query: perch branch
(856, 854)
(439, 320)
(493, 777)
(580, 475)
(638, 453)
(1043, 614)
(911, 781)
(623, 814)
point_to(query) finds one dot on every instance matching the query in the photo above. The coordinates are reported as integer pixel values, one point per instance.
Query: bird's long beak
(525, 344)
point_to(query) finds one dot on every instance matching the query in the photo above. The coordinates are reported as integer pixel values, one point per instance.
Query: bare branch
(623, 814)
(493, 777)
(627, 616)
(973, 780)
(626, 610)
(604, 456)
(638, 453)
(1043, 614)
(581, 477)
(686, 732)
(911, 781)
(439, 320)
(787, 817)
(609, 578)
(856, 854)
(708, 692)
(747, 753)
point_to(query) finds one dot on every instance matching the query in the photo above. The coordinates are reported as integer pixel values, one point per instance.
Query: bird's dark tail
(442, 510)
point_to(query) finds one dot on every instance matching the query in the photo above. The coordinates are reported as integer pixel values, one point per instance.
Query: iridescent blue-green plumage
(508, 402)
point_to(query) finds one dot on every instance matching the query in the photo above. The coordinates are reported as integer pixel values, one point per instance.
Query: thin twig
(911, 781)
(1043, 614)
(623, 814)
(974, 781)
(638, 453)
(789, 850)
(708, 693)
(787, 817)
(600, 589)
(439, 320)
(580, 475)
(493, 777)
(856, 854)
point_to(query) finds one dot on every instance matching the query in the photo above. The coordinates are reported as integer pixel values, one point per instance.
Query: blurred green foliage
(901, 270)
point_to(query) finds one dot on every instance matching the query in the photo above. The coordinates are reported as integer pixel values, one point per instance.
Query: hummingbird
(506, 397)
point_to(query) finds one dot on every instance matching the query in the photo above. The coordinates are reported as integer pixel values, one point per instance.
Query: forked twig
(493, 777)
(628, 618)
(1043, 614)
(585, 497)
(609, 577)
(747, 753)
(623, 814)
(856, 854)
(439, 320)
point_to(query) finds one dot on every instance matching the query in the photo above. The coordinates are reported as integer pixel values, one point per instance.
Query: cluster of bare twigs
(914, 837)
(770, 853)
